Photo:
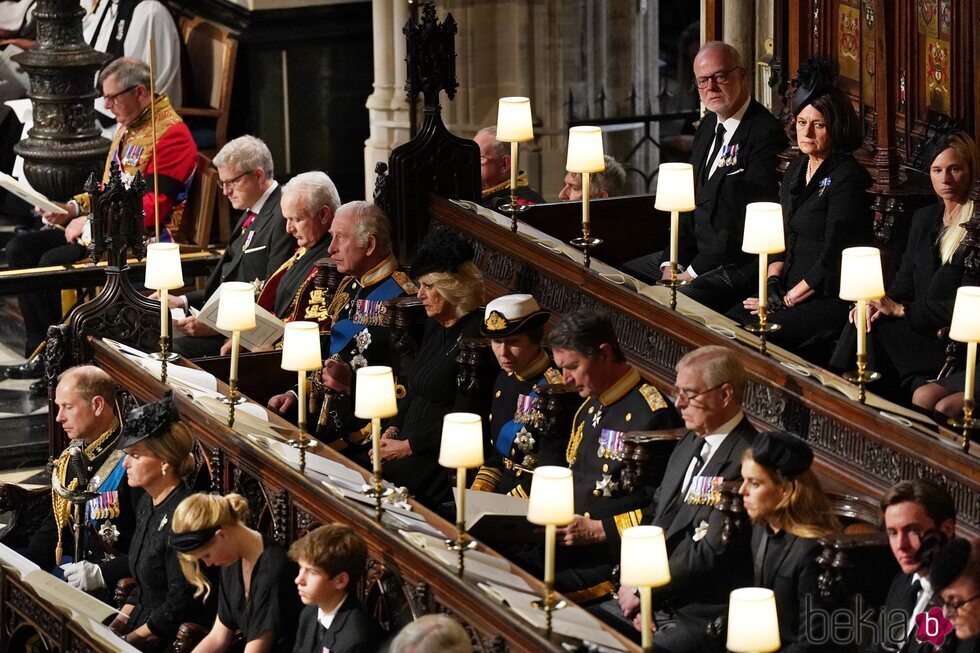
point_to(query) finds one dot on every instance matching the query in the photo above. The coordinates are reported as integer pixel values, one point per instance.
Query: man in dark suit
(332, 559)
(912, 511)
(259, 242)
(734, 158)
(710, 383)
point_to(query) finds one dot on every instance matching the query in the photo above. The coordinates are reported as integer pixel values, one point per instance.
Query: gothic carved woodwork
(862, 450)
(434, 160)
(645, 456)
(407, 318)
(64, 145)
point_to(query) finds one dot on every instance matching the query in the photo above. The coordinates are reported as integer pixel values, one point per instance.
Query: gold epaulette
(553, 375)
(405, 282)
(655, 400)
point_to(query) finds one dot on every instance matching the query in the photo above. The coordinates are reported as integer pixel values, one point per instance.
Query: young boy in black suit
(331, 561)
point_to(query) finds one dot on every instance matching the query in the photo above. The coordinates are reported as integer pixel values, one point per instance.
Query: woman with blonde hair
(256, 596)
(158, 458)
(451, 290)
(903, 345)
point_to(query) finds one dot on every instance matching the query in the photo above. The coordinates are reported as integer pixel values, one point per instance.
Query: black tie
(719, 139)
(698, 459)
(914, 590)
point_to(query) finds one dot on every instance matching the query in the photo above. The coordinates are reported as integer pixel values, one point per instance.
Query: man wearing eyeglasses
(734, 158)
(125, 86)
(710, 382)
(495, 172)
(259, 245)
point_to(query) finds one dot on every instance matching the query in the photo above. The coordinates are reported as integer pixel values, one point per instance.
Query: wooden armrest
(124, 588)
(189, 635)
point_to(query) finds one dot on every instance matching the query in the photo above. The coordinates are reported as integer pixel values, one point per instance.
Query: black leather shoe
(39, 388)
(32, 369)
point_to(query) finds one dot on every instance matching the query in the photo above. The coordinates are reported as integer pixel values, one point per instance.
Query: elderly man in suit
(734, 159)
(710, 382)
(259, 243)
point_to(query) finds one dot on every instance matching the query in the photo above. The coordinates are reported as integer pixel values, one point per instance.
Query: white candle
(646, 614)
(461, 495)
(673, 236)
(585, 200)
(513, 166)
(236, 337)
(763, 278)
(376, 443)
(301, 383)
(164, 313)
(860, 323)
(971, 370)
(549, 554)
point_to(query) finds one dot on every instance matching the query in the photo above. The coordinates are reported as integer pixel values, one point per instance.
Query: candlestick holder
(966, 424)
(462, 543)
(548, 605)
(378, 492)
(763, 328)
(862, 376)
(164, 356)
(673, 283)
(514, 209)
(303, 442)
(586, 243)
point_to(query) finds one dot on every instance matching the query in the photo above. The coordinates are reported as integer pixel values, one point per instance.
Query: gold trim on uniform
(655, 400)
(486, 479)
(571, 452)
(620, 388)
(521, 182)
(381, 271)
(518, 491)
(534, 370)
(553, 375)
(628, 519)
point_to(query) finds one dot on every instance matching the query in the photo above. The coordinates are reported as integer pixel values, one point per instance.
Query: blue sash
(105, 499)
(344, 330)
(509, 431)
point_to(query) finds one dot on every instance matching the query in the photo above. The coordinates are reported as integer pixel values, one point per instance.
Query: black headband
(192, 540)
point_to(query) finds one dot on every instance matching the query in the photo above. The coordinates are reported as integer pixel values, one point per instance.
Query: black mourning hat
(782, 451)
(511, 315)
(441, 251)
(814, 78)
(147, 421)
(949, 563)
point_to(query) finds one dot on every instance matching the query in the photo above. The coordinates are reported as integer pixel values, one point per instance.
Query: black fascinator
(814, 78)
(147, 421)
(441, 251)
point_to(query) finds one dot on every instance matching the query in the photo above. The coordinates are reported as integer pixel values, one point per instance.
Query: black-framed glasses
(721, 78)
(954, 606)
(690, 397)
(230, 183)
(111, 97)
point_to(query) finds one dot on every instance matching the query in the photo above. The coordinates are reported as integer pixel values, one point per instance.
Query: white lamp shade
(752, 623)
(552, 500)
(643, 557)
(236, 306)
(163, 266)
(462, 441)
(966, 315)
(860, 274)
(585, 150)
(301, 347)
(763, 232)
(514, 120)
(374, 393)
(675, 187)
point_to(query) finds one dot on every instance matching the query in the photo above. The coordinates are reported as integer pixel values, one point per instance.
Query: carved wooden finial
(117, 217)
(431, 56)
